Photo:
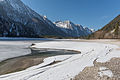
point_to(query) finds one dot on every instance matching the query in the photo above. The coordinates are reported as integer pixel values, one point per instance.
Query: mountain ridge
(18, 20)
(15, 11)
(76, 30)
(109, 31)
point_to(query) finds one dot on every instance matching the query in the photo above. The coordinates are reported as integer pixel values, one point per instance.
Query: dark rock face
(10, 28)
(18, 20)
(109, 31)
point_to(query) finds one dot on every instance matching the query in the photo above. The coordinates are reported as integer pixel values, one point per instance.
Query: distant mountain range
(18, 20)
(74, 30)
(109, 31)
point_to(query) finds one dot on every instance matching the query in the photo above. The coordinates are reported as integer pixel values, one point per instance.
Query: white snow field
(10, 49)
(70, 65)
(15, 47)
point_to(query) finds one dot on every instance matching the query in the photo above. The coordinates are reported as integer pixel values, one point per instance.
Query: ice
(69, 65)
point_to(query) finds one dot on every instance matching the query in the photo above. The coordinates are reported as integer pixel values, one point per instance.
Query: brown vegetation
(109, 31)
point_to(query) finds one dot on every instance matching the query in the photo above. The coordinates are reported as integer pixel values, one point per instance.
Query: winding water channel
(17, 55)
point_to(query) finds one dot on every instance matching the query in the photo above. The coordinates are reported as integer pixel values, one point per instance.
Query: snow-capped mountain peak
(93, 30)
(88, 30)
(64, 24)
(70, 28)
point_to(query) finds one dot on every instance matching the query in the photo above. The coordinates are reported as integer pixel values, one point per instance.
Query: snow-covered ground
(14, 47)
(70, 65)
(105, 71)
(10, 49)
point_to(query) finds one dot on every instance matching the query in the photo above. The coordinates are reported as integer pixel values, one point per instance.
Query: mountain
(18, 20)
(73, 30)
(109, 31)
(90, 31)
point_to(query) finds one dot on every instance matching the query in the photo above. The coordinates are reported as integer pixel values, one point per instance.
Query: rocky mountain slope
(109, 31)
(18, 20)
(72, 29)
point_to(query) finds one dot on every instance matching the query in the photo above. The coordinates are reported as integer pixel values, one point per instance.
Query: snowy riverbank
(68, 66)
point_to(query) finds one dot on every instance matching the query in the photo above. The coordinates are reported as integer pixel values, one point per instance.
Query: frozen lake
(10, 48)
(66, 67)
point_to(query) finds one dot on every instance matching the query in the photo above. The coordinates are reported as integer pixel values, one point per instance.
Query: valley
(59, 40)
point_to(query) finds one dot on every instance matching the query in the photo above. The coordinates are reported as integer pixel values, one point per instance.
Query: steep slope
(109, 31)
(90, 31)
(17, 19)
(72, 29)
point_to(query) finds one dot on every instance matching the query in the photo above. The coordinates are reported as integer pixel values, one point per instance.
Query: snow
(17, 11)
(93, 30)
(77, 46)
(88, 30)
(105, 72)
(15, 47)
(71, 28)
(114, 53)
(103, 68)
(1, 0)
(113, 31)
(66, 24)
(70, 65)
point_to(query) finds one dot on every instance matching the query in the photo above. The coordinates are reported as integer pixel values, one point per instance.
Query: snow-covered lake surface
(14, 47)
(70, 65)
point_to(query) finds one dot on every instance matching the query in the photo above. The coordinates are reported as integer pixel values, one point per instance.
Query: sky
(94, 14)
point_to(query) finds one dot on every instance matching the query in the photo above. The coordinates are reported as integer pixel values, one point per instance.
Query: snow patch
(106, 73)
(102, 68)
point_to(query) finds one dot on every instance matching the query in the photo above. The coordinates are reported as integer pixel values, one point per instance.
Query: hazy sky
(91, 13)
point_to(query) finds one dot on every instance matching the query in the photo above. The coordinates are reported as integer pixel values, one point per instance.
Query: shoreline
(19, 63)
(97, 65)
(23, 62)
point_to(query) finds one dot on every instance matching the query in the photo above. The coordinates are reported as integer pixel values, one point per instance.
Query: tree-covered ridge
(109, 31)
